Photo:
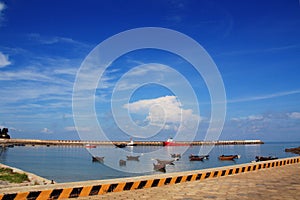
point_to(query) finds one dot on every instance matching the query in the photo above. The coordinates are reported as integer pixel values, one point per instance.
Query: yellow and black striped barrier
(90, 188)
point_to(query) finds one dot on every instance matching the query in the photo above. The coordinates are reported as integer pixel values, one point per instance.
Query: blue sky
(254, 44)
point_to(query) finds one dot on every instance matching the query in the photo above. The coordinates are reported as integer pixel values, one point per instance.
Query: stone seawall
(5, 142)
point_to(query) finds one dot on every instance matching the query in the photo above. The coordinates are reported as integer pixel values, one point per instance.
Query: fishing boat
(136, 158)
(90, 146)
(122, 145)
(176, 155)
(198, 157)
(97, 159)
(122, 162)
(265, 158)
(159, 167)
(228, 157)
(166, 162)
(170, 142)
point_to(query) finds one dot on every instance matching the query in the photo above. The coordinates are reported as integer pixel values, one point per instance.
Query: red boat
(170, 142)
(89, 146)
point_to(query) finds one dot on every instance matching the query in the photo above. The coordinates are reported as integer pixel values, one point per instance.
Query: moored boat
(166, 162)
(197, 157)
(131, 143)
(90, 146)
(170, 142)
(228, 157)
(159, 167)
(97, 159)
(122, 162)
(176, 155)
(265, 158)
(122, 145)
(136, 158)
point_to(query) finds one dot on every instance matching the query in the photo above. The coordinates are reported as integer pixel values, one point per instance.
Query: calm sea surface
(67, 164)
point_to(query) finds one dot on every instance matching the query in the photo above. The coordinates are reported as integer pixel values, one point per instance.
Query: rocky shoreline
(293, 150)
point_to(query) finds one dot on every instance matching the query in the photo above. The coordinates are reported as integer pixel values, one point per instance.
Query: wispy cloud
(43, 83)
(255, 51)
(28, 75)
(46, 130)
(266, 96)
(4, 61)
(48, 40)
(2, 8)
(263, 123)
(152, 72)
(294, 115)
(248, 118)
(176, 11)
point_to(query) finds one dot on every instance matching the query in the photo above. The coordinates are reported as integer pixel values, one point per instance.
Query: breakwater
(6, 142)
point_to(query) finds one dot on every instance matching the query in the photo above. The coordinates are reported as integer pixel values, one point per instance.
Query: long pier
(5, 142)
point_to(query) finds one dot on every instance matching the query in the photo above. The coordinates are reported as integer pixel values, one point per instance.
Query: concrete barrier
(90, 188)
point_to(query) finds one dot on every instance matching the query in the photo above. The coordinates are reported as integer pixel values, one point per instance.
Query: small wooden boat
(174, 155)
(159, 167)
(265, 158)
(228, 157)
(122, 162)
(136, 158)
(98, 159)
(165, 162)
(122, 145)
(198, 157)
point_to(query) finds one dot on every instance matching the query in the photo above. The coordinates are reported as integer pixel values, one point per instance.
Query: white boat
(131, 143)
(90, 146)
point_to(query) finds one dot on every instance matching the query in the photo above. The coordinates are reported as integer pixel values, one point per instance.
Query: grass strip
(7, 174)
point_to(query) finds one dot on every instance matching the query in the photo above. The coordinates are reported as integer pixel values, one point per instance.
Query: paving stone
(272, 183)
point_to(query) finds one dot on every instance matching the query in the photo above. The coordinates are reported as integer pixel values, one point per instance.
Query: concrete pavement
(270, 183)
(274, 179)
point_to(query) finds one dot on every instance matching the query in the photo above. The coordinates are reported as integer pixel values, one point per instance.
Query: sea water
(70, 163)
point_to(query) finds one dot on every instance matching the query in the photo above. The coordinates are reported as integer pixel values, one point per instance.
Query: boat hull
(175, 144)
(90, 146)
(231, 157)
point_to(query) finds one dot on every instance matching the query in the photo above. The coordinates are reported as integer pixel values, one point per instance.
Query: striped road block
(90, 188)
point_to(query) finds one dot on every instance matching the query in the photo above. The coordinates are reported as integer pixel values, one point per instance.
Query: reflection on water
(65, 164)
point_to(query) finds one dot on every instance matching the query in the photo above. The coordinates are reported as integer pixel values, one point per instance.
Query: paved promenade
(271, 183)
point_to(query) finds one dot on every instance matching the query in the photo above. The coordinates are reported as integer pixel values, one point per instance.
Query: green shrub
(7, 174)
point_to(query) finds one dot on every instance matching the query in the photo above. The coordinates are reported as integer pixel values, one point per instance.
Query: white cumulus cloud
(165, 111)
(4, 61)
(294, 115)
